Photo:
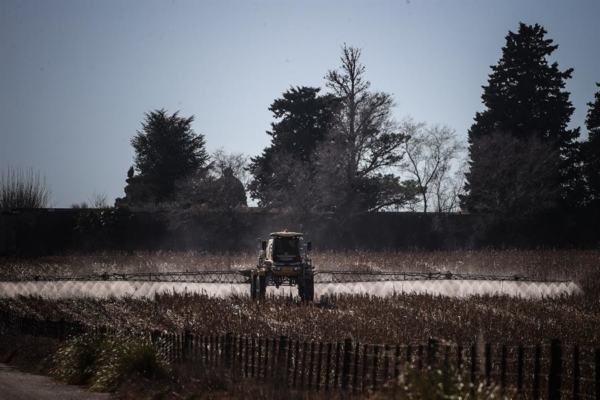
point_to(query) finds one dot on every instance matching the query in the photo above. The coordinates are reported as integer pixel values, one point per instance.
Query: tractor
(283, 260)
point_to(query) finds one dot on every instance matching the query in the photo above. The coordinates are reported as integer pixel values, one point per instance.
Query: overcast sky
(76, 77)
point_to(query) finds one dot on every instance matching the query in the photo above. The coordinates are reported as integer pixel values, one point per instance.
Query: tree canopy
(524, 98)
(591, 151)
(167, 150)
(303, 119)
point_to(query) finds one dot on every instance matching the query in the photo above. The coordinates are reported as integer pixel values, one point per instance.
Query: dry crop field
(577, 265)
(396, 319)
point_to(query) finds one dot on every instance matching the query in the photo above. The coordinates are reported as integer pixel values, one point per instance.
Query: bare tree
(218, 186)
(362, 144)
(448, 187)
(433, 154)
(220, 160)
(23, 189)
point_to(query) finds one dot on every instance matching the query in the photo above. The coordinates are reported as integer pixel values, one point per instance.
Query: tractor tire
(253, 282)
(306, 289)
(262, 286)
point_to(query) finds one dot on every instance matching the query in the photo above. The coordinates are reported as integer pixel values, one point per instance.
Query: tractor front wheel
(253, 279)
(258, 286)
(262, 286)
(306, 288)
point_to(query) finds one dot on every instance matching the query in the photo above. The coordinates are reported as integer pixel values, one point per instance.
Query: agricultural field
(395, 319)
(576, 265)
(398, 319)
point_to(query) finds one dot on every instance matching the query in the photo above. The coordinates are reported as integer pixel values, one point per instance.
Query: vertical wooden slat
(346, 363)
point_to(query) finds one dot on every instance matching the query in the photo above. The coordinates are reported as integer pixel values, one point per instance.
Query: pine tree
(303, 117)
(167, 150)
(524, 98)
(591, 150)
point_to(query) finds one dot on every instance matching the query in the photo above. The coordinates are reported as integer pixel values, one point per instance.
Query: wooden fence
(551, 371)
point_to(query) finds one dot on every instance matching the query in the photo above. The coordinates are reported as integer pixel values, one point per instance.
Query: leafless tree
(433, 154)
(364, 141)
(219, 186)
(220, 160)
(23, 189)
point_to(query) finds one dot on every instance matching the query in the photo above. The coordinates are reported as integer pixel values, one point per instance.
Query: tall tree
(302, 119)
(591, 150)
(363, 145)
(525, 98)
(167, 150)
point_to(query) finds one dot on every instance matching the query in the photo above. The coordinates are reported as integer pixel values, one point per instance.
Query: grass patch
(103, 363)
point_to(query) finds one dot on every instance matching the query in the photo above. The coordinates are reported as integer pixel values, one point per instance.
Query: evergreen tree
(303, 117)
(525, 97)
(166, 151)
(591, 150)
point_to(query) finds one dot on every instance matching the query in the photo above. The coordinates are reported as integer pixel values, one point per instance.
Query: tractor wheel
(253, 279)
(301, 289)
(306, 289)
(262, 286)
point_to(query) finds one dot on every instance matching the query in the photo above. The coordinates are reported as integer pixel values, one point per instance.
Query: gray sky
(76, 77)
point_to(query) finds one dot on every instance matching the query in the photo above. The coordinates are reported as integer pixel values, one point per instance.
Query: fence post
(319, 366)
(536, 371)
(328, 366)
(186, 345)
(240, 351)
(297, 351)
(260, 358)
(576, 372)
(223, 360)
(555, 370)
(281, 360)
(386, 363)
(304, 351)
(503, 369)
(375, 360)
(252, 357)
(397, 362)
(520, 360)
(355, 385)
(274, 359)
(246, 358)
(311, 364)
(365, 366)
(432, 349)
(473, 366)
(336, 372)
(228, 346)
(346, 363)
(488, 364)
(288, 369)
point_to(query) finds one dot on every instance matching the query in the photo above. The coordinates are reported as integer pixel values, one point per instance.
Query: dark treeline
(30, 233)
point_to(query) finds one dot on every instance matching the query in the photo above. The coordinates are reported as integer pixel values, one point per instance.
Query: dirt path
(15, 385)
